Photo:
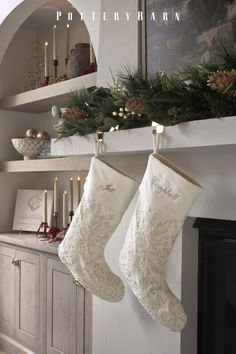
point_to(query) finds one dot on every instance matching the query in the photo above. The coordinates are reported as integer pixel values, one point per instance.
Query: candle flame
(68, 26)
(45, 191)
(56, 179)
(54, 26)
(46, 43)
(78, 178)
(65, 192)
(71, 178)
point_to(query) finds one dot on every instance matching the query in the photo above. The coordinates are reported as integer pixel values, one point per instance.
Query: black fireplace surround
(216, 286)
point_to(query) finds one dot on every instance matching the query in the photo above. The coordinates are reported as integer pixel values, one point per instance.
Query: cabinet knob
(76, 282)
(15, 261)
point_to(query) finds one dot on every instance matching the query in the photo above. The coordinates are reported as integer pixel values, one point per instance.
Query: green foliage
(169, 99)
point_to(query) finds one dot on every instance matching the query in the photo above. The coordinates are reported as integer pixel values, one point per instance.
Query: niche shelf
(41, 99)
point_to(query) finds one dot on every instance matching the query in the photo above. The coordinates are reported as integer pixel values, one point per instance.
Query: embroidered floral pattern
(150, 237)
(82, 250)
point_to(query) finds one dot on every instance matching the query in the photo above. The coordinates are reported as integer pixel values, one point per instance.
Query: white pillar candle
(56, 195)
(55, 42)
(67, 41)
(92, 56)
(71, 194)
(65, 210)
(45, 207)
(46, 58)
(78, 189)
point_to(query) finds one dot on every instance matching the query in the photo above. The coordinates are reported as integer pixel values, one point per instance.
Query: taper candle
(46, 58)
(55, 42)
(78, 189)
(56, 195)
(92, 56)
(67, 41)
(71, 194)
(45, 207)
(65, 210)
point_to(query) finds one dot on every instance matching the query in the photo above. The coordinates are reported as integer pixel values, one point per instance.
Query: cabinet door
(65, 311)
(27, 299)
(7, 282)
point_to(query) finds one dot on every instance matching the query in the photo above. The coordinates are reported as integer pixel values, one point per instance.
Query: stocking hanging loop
(157, 131)
(97, 141)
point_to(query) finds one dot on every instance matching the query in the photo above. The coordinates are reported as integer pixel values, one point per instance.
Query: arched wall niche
(24, 10)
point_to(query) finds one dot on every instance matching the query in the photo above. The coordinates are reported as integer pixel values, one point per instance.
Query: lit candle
(78, 189)
(56, 195)
(92, 56)
(46, 58)
(54, 42)
(71, 194)
(45, 208)
(67, 41)
(65, 210)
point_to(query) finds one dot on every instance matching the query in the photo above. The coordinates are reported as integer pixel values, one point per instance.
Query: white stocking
(166, 195)
(106, 196)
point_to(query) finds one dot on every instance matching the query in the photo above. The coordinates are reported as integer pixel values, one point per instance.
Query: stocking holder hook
(97, 141)
(157, 132)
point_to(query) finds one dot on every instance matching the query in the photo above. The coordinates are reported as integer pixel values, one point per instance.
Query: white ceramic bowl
(29, 148)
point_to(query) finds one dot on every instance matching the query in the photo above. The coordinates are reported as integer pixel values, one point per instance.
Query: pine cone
(72, 114)
(136, 104)
(221, 80)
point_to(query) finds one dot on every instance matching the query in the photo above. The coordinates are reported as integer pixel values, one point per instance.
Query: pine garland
(134, 101)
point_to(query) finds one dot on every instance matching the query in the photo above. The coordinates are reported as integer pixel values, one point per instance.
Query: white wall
(13, 68)
(123, 328)
(118, 45)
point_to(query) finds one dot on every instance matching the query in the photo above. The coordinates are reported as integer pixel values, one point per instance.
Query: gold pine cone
(72, 114)
(136, 104)
(220, 80)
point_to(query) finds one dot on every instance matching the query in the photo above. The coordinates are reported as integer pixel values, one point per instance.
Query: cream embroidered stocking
(166, 195)
(106, 196)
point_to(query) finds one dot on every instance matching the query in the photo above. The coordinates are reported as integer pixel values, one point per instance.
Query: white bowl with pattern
(29, 148)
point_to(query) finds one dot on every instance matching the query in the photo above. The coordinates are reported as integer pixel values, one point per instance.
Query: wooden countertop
(28, 240)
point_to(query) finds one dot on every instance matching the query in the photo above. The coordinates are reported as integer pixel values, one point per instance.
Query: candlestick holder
(54, 230)
(71, 214)
(43, 226)
(55, 63)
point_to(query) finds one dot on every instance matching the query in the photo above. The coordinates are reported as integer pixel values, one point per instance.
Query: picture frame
(29, 209)
(183, 33)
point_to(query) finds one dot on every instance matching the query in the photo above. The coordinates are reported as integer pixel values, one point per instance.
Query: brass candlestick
(55, 63)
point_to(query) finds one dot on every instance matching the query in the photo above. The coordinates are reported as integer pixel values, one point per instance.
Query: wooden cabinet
(27, 299)
(42, 309)
(61, 309)
(7, 276)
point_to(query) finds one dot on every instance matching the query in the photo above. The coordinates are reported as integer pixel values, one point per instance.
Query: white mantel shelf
(41, 99)
(195, 135)
(74, 153)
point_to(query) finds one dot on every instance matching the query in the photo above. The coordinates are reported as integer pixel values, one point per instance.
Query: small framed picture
(29, 209)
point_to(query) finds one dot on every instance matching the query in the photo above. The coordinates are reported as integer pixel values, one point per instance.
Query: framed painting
(176, 33)
(29, 209)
